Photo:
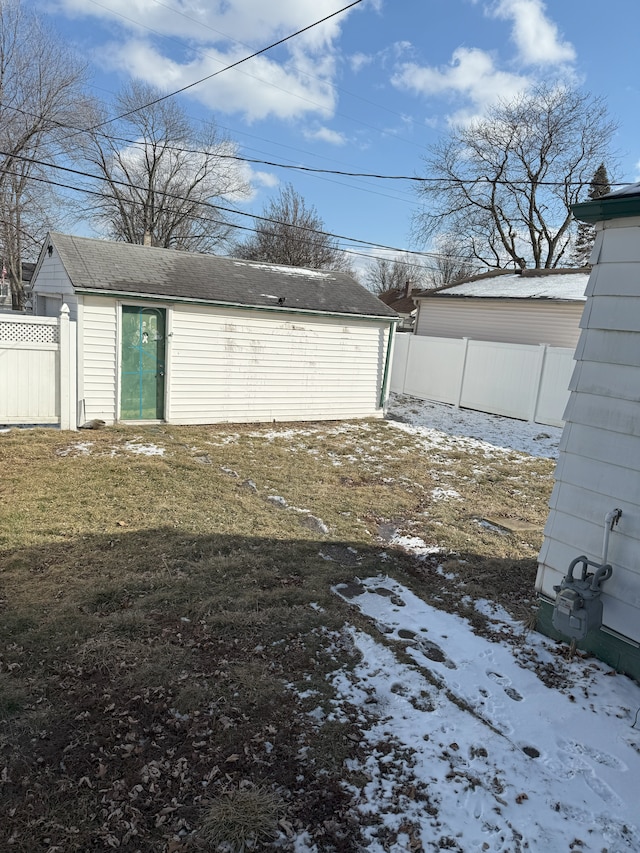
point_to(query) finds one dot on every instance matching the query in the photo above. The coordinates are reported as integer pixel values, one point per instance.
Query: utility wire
(228, 67)
(261, 79)
(141, 144)
(207, 204)
(234, 225)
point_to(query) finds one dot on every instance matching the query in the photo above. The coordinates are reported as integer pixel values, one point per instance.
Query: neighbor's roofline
(528, 272)
(155, 297)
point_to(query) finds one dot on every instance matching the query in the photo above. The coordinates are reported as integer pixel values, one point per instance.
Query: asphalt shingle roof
(101, 265)
(564, 285)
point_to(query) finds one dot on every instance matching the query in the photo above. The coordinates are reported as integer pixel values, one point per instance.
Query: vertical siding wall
(243, 366)
(599, 464)
(519, 381)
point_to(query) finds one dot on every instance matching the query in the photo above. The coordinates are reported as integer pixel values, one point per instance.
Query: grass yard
(167, 622)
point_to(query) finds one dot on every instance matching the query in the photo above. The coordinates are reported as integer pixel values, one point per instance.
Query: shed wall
(522, 321)
(98, 359)
(599, 464)
(230, 365)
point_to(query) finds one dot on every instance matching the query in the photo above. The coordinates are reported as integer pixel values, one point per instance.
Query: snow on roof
(630, 190)
(308, 273)
(568, 286)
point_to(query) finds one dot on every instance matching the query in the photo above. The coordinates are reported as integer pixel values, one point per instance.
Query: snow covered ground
(471, 750)
(423, 417)
(478, 744)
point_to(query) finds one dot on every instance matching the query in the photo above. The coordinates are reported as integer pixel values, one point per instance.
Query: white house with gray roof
(193, 339)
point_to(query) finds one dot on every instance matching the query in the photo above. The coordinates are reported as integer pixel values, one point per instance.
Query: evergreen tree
(586, 234)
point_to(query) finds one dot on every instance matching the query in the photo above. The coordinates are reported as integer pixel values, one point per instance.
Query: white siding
(599, 464)
(244, 366)
(98, 359)
(51, 281)
(508, 321)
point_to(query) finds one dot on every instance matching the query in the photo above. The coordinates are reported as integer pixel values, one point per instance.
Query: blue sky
(367, 91)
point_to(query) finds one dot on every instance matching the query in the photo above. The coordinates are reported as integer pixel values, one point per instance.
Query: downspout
(387, 364)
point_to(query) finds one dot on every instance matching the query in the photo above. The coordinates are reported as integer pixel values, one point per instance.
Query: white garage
(193, 339)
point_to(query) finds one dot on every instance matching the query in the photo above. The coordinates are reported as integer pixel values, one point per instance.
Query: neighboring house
(535, 306)
(598, 468)
(194, 339)
(401, 301)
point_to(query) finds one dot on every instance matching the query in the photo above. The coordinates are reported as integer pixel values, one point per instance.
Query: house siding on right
(599, 464)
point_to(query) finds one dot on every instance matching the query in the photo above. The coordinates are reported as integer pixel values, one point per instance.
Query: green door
(142, 373)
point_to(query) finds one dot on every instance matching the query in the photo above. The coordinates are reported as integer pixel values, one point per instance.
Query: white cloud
(268, 89)
(265, 179)
(535, 36)
(325, 134)
(211, 36)
(358, 61)
(471, 75)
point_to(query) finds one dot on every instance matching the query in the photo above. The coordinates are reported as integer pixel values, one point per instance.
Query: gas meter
(578, 607)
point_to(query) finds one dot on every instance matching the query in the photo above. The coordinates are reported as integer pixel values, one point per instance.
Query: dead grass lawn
(167, 621)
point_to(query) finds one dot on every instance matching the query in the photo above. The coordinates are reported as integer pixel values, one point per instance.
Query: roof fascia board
(213, 304)
(599, 210)
(458, 296)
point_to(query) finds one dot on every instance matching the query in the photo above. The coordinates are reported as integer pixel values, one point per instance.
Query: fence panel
(38, 370)
(29, 370)
(517, 380)
(434, 368)
(554, 395)
(501, 378)
(401, 345)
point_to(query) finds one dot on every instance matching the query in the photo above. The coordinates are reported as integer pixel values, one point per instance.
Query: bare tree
(396, 274)
(506, 182)
(289, 232)
(161, 175)
(40, 93)
(452, 262)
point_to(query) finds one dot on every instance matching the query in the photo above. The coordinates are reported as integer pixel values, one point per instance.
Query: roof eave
(157, 297)
(599, 210)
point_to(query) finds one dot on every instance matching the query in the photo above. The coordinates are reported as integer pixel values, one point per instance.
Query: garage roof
(101, 266)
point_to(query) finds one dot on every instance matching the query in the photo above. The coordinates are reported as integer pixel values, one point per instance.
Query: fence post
(462, 372)
(67, 370)
(542, 355)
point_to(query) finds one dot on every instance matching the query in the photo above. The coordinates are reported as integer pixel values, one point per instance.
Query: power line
(234, 225)
(261, 79)
(228, 67)
(311, 169)
(207, 204)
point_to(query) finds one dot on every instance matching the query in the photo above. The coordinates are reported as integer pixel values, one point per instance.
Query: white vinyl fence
(517, 380)
(38, 370)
